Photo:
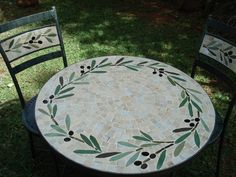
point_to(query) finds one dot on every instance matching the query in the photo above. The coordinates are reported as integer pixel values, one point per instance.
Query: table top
(124, 114)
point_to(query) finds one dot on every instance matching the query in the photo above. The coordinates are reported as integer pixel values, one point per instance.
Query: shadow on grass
(14, 141)
(95, 28)
(112, 29)
(15, 154)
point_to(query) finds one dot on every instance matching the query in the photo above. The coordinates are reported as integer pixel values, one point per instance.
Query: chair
(19, 45)
(217, 54)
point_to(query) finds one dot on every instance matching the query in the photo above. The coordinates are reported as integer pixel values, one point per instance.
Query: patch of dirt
(161, 12)
(157, 12)
(157, 17)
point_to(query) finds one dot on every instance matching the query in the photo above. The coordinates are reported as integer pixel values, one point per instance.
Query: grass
(107, 27)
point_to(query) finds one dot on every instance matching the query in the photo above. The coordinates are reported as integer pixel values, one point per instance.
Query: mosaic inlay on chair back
(29, 42)
(219, 50)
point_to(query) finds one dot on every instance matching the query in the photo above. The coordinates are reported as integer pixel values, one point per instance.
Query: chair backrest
(217, 51)
(25, 43)
(217, 54)
(218, 43)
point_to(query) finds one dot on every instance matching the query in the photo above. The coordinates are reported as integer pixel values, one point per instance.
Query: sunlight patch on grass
(166, 45)
(182, 36)
(201, 78)
(101, 28)
(126, 16)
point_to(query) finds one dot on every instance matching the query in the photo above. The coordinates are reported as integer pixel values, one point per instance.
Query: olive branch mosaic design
(226, 53)
(31, 41)
(144, 140)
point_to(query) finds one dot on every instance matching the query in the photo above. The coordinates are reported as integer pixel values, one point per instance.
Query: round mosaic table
(124, 115)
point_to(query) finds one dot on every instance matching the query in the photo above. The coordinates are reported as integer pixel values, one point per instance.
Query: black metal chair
(19, 45)
(217, 54)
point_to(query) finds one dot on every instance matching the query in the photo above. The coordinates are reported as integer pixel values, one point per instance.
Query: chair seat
(28, 116)
(217, 129)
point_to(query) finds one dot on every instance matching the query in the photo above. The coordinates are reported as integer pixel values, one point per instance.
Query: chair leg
(31, 144)
(221, 143)
(33, 154)
(193, 69)
(219, 156)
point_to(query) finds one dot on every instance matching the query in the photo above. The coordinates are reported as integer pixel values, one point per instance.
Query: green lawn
(92, 28)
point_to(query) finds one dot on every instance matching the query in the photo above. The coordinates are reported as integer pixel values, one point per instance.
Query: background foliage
(152, 29)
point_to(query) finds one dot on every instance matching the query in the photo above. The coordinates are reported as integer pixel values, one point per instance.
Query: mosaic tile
(125, 114)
